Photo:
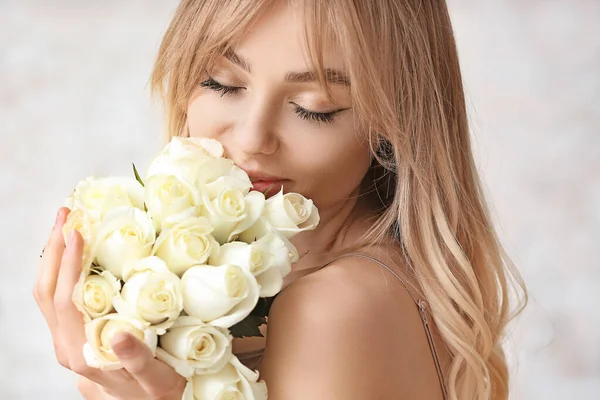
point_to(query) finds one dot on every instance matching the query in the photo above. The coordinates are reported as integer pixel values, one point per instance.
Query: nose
(256, 133)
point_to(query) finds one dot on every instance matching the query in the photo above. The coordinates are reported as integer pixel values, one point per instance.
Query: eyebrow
(333, 76)
(237, 60)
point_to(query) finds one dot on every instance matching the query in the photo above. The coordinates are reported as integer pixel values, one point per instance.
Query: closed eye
(325, 117)
(213, 85)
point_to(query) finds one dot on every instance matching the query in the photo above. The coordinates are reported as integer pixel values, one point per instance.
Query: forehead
(277, 40)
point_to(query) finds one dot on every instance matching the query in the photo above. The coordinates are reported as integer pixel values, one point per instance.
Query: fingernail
(122, 344)
(71, 238)
(58, 215)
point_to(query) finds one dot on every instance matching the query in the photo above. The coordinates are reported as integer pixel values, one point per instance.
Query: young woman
(402, 290)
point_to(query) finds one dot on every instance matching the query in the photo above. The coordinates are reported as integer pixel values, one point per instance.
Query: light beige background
(74, 102)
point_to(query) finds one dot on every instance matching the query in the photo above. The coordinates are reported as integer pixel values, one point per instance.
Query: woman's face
(263, 104)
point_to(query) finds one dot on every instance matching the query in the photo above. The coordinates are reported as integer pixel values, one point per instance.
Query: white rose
(98, 196)
(93, 294)
(193, 148)
(83, 222)
(98, 352)
(218, 174)
(171, 176)
(259, 388)
(269, 259)
(191, 346)
(125, 235)
(230, 213)
(205, 147)
(220, 295)
(186, 243)
(289, 214)
(151, 293)
(182, 157)
(234, 381)
(168, 195)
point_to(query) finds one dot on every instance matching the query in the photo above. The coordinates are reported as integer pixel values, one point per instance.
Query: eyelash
(211, 84)
(303, 113)
(314, 116)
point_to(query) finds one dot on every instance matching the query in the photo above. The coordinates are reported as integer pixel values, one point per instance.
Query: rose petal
(98, 357)
(206, 294)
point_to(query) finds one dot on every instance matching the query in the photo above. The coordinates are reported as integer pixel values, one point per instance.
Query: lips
(262, 182)
(272, 187)
(256, 177)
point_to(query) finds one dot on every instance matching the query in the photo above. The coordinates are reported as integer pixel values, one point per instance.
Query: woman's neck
(341, 225)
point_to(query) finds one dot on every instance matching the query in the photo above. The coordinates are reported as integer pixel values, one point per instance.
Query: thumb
(156, 377)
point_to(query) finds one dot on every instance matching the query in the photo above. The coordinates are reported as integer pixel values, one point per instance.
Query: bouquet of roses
(185, 259)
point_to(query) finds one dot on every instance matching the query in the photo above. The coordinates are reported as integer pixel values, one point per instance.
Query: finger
(55, 239)
(45, 285)
(88, 389)
(68, 317)
(157, 378)
(93, 391)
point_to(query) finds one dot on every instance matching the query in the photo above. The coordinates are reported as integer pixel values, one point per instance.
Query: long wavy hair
(409, 101)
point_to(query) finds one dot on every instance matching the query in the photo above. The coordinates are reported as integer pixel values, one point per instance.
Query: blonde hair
(408, 99)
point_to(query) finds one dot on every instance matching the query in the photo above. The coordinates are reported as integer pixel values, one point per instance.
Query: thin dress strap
(422, 308)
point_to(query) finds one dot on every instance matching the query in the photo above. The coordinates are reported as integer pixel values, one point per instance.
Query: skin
(326, 328)
(261, 130)
(143, 377)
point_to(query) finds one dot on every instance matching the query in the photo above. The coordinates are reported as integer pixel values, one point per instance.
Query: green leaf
(137, 176)
(268, 190)
(263, 306)
(248, 327)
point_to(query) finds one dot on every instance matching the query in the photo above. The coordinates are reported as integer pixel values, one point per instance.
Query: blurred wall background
(74, 102)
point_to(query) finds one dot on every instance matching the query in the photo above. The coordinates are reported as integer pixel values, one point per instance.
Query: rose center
(232, 203)
(129, 233)
(171, 190)
(161, 299)
(300, 211)
(96, 196)
(232, 394)
(203, 346)
(235, 282)
(256, 261)
(94, 297)
(196, 246)
(295, 209)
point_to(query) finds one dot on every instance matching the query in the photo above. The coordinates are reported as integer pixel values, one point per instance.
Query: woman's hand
(93, 391)
(143, 376)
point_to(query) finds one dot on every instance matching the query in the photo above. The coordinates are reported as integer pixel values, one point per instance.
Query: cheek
(205, 118)
(327, 165)
(334, 170)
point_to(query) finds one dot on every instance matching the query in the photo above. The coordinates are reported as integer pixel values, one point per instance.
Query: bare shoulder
(350, 331)
(350, 290)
